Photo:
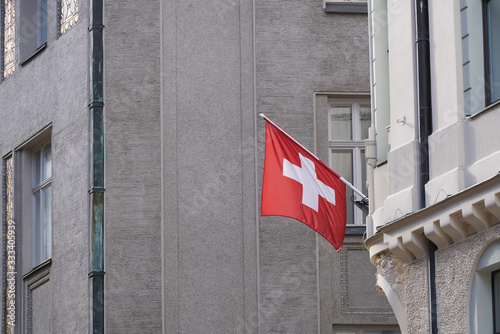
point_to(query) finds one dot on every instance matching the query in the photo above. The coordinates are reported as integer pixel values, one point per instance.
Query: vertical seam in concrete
(256, 165)
(242, 171)
(177, 169)
(162, 197)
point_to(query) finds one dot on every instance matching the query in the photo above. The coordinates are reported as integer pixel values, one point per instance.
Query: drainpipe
(96, 192)
(425, 128)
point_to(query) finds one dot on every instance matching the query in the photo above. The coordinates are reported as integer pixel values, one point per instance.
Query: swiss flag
(298, 185)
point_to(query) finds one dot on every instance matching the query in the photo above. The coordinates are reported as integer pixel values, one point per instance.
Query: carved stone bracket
(471, 211)
(391, 262)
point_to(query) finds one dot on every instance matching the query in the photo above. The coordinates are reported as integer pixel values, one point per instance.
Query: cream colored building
(433, 163)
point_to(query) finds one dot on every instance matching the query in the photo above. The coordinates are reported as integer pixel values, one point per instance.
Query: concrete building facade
(132, 161)
(433, 230)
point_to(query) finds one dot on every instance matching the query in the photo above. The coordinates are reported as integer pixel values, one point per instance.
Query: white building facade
(433, 163)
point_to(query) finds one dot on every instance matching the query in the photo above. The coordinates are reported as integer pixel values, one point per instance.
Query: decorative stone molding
(34, 279)
(391, 262)
(350, 249)
(468, 212)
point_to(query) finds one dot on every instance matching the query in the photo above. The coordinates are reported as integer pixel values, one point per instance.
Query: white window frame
(480, 71)
(42, 245)
(356, 145)
(481, 293)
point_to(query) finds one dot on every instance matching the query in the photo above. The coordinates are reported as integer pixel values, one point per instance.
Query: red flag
(298, 185)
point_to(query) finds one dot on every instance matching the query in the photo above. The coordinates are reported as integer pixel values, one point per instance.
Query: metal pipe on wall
(425, 130)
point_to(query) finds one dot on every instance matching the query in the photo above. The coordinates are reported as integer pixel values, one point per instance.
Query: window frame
(477, 60)
(487, 53)
(29, 46)
(39, 240)
(495, 294)
(356, 145)
(481, 308)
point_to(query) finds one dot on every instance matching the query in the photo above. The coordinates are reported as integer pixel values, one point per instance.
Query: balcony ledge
(450, 221)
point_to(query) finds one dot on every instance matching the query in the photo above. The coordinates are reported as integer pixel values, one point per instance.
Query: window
(484, 294)
(480, 53)
(8, 37)
(42, 204)
(348, 124)
(495, 281)
(33, 27)
(491, 22)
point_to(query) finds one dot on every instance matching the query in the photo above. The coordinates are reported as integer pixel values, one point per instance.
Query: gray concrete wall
(52, 88)
(301, 50)
(180, 179)
(132, 167)
(209, 215)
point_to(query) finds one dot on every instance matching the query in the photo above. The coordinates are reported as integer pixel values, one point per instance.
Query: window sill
(483, 111)
(40, 49)
(343, 7)
(45, 265)
(355, 229)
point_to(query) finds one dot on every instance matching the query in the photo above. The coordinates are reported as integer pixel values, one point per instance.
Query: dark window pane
(496, 300)
(493, 20)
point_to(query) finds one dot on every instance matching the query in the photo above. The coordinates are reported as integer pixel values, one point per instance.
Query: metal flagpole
(364, 199)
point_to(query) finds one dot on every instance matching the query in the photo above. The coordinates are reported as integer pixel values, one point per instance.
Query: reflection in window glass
(341, 162)
(47, 162)
(341, 123)
(365, 120)
(493, 22)
(42, 204)
(348, 127)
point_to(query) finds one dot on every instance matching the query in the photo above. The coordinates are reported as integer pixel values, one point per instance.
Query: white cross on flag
(298, 185)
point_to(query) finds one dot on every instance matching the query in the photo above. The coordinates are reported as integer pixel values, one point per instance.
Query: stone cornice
(457, 217)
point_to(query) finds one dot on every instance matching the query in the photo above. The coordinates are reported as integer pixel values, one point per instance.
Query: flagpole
(347, 183)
